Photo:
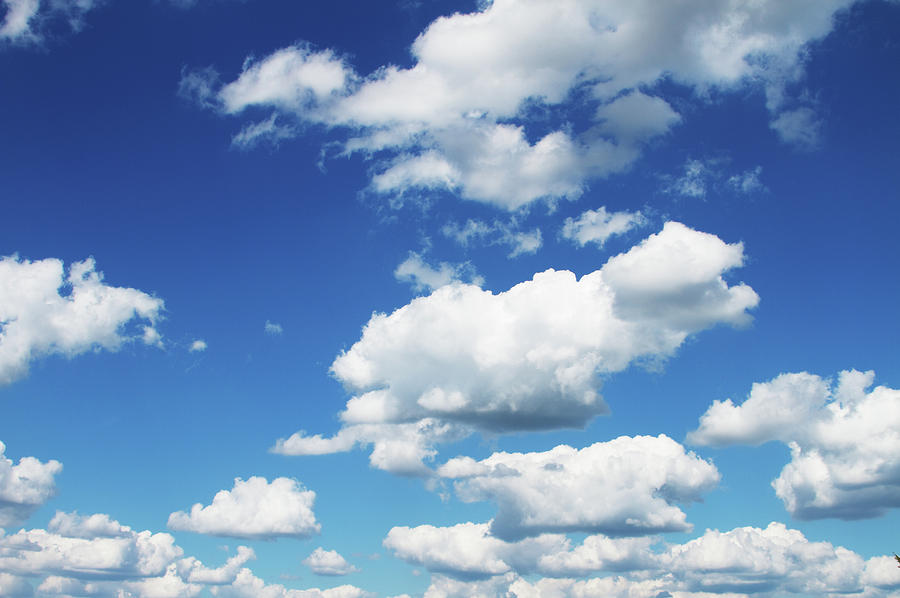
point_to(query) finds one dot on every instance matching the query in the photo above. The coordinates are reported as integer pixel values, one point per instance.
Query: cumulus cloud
(97, 525)
(26, 20)
(328, 562)
(468, 551)
(530, 358)
(457, 118)
(273, 328)
(133, 554)
(771, 561)
(597, 226)
(254, 509)
(624, 487)
(24, 487)
(13, 586)
(247, 585)
(424, 277)
(843, 441)
(197, 346)
(181, 578)
(37, 320)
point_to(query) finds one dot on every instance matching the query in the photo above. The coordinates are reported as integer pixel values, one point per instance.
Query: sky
(583, 298)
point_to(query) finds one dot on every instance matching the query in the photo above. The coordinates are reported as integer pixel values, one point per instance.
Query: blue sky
(442, 299)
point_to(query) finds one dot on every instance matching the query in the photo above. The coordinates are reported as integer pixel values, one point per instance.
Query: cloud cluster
(25, 20)
(529, 358)
(623, 487)
(844, 441)
(247, 585)
(457, 118)
(744, 561)
(498, 232)
(254, 509)
(36, 319)
(24, 487)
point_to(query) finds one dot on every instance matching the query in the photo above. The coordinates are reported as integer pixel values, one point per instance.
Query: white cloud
(497, 233)
(39, 552)
(264, 131)
(98, 525)
(13, 586)
(254, 509)
(293, 78)
(247, 585)
(193, 571)
(24, 19)
(468, 551)
(36, 320)
(198, 346)
(843, 441)
(24, 487)
(183, 578)
(529, 358)
(328, 562)
(627, 486)
(800, 127)
(700, 176)
(637, 117)
(597, 226)
(457, 117)
(771, 561)
(273, 328)
(424, 277)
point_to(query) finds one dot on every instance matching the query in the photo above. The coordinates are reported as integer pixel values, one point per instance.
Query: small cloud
(197, 346)
(273, 328)
(702, 176)
(424, 277)
(800, 128)
(597, 226)
(328, 562)
(497, 233)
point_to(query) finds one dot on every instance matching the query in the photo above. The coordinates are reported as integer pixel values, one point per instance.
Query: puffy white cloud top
(844, 440)
(24, 487)
(771, 561)
(328, 562)
(529, 358)
(135, 554)
(626, 487)
(247, 585)
(35, 319)
(456, 120)
(253, 509)
(597, 226)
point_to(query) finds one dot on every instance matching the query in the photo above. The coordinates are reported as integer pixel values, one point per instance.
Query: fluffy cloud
(198, 346)
(273, 328)
(14, 587)
(24, 487)
(422, 276)
(254, 509)
(627, 486)
(844, 441)
(134, 554)
(25, 20)
(771, 561)
(183, 578)
(247, 585)
(36, 320)
(468, 551)
(457, 118)
(529, 358)
(597, 226)
(98, 525)
(328, 562)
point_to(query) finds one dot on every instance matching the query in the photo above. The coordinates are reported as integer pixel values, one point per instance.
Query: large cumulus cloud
(844, 440)
(530, 358)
